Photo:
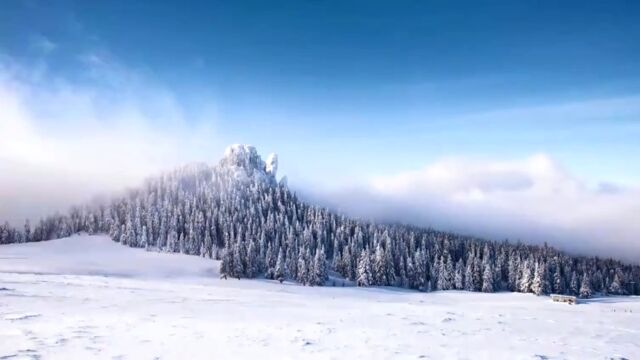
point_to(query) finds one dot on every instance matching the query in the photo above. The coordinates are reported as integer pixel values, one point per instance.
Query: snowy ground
(87, 297)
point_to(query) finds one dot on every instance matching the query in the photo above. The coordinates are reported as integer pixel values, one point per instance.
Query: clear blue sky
(373, 86)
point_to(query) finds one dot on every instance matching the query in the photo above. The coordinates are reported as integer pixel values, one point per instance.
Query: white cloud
(43, 44)
(532, 199)
(63, 142)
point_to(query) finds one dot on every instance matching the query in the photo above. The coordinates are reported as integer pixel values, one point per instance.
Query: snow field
(87, 297)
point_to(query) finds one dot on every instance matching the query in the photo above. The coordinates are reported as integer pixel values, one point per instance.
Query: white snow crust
(86, 297)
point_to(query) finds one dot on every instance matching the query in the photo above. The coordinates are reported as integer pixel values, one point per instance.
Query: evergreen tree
(459, 275)
(208, 246)
(487, 278)
(616, 285)
(468, 277)
(539, 285)
(181, 243)
(558, 282)
(379, 266)
(412, 278)
(573, 285)
(303, 267)
(226, 265)
(124, 235)
(585, 287)
(364, 270)
(238, 269)
(252, 260)
(526, 278)
(320, 267)
(27, 231)
(270, 263)
(143, 237)
(280, 266)
(514, 272)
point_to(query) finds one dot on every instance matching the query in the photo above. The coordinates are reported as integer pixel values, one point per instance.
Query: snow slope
(87, 297)
(99, 255)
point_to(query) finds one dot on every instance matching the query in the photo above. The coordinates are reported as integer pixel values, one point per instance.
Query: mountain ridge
(236, 211)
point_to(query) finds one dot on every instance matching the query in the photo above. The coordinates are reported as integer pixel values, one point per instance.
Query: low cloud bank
(532, 199)
(62, 142)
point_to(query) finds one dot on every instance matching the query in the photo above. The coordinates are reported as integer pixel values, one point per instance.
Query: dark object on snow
(571, 300)
(281, 280)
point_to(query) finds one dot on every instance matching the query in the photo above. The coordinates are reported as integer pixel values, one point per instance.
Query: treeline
(237, 213)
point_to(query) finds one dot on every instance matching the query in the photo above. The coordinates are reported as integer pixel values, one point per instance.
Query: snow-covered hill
(100, 256)
(87, 297)
(237, 212)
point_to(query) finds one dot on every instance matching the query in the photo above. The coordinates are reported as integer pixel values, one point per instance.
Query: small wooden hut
(571, 300)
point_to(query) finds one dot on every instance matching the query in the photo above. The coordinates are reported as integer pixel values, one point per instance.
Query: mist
(65, 142)
(533, 200)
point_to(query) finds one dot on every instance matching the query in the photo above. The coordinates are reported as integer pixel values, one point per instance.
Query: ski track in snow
(87, 297)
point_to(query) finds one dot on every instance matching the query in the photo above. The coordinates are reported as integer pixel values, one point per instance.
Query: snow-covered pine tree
(585, 287)
(207, 250)
(379, 266)
(270, 263)
(304, 271)
(143, 237)
(238, 269)
(526, 278)
(558, 281)
(616, 285)
(252, 260)
(320, 267)
(487, 278)
(539, 284)
(513, 277)
(226, 263)
(468, 276)
(459, 275)
(448, 272)
(27, 231)
(280, 271)
(573, 285)
(364, 270)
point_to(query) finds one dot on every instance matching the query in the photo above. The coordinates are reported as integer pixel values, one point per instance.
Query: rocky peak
(243, 161)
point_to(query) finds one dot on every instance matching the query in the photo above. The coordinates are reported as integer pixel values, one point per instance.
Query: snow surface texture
(88, 297)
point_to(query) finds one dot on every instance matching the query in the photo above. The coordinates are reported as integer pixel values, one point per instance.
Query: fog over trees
(237, 212)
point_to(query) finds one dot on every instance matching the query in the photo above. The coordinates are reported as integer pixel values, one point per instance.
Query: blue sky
(348, 93)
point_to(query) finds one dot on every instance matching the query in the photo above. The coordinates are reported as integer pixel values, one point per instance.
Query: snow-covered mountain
(236, 211)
